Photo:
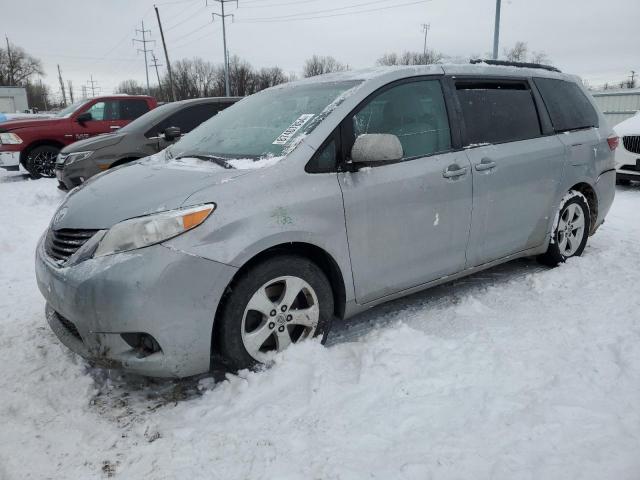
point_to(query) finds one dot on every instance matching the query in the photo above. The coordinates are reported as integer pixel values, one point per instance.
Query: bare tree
(130, 87)
(411, 58)
(518, 53)
(539, 58)
(317, 65)
(17, 66)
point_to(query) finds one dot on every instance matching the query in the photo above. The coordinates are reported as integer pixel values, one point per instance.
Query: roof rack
(506, 63)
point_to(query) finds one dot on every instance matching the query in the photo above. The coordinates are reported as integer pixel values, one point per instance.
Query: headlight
(10, 139)
(144, 231)
(76, 157)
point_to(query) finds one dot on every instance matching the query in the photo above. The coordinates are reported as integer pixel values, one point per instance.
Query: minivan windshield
(265, 124)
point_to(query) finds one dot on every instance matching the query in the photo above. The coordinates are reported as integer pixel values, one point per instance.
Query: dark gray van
(145, 136)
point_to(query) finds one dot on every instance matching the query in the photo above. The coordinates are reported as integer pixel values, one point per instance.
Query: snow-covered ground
(519, 372)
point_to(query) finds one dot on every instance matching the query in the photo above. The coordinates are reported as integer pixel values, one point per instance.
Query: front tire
(41, 161)
(283, 300)
(571, 230)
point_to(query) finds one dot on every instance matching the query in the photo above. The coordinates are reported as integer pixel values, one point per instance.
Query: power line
(183, 21)
(278, 4)
(326, 10)
(192, 32)
(144, 50)
(280, 19)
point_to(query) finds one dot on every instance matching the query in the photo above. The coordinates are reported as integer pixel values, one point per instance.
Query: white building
(13, 99)
(618, 105)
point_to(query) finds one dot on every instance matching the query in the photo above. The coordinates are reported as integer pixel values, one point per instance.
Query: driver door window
(415, 112)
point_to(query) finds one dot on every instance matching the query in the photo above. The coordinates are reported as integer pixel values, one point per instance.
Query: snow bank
(520, 372)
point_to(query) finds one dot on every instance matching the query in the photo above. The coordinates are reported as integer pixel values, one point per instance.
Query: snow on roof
(434, 69)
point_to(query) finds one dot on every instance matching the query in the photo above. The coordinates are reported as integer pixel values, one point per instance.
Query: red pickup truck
(36, 143)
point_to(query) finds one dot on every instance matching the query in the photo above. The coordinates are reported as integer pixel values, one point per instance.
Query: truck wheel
(281, 301)
(571, 230)
(41, 161)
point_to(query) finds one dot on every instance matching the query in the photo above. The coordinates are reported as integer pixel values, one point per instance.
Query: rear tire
(41, 161)
(570, 231)
(282, 300)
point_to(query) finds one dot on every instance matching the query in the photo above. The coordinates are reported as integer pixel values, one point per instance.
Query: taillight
(613, 142)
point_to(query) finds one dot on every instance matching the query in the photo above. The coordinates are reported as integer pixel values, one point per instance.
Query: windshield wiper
(209, 158)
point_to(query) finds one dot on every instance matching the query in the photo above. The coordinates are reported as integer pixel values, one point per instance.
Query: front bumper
(10, 160)
(627, 164)
(76, 173)
(162, 292)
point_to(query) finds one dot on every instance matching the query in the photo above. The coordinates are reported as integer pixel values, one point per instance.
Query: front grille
(63, 243)
(631, 143)
(71, 328)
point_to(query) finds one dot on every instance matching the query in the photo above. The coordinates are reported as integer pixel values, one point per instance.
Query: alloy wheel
(43, 163)
(282, 311)
(570, 229)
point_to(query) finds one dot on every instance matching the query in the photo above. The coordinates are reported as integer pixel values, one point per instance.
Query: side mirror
(376, 147)
(172, 133)
(84, 117)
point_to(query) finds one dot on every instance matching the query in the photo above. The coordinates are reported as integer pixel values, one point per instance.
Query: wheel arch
(592, 199)
(36, 144)
(316, 254)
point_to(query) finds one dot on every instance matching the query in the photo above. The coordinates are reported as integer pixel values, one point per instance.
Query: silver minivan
(309, 202)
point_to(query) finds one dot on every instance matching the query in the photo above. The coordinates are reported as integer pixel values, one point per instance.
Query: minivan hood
(137, 189)
(95, 143)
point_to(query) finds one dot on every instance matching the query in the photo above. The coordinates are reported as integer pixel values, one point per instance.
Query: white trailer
(13, 99)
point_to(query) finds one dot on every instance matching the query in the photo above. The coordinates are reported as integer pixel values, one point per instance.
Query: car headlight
(10, 139)
(144, 231)
(76, 157)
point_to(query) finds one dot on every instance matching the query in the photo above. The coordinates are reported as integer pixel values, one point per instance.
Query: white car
(628, 152)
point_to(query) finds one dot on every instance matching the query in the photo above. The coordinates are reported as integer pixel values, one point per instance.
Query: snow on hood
(631, 126)
(140, 188)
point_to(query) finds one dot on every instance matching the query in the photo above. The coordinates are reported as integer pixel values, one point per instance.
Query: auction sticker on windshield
(285, 136)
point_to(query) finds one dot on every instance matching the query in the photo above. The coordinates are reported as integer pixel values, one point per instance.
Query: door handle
(454, 171)
(485, 164)
(114, 127)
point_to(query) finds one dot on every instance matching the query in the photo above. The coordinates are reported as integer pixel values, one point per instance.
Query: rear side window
(186, 119)
(132, 109)
(568, 107)
(498, 112)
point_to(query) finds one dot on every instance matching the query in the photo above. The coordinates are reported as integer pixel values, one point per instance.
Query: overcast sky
(598, 40)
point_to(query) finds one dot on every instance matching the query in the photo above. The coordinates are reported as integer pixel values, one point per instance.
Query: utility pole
(64, 95)
(156, 65)
(166, 57)
(144, 50)
(92, 86)
(84, 92)
(496, 31)
(632, 84)
(425, 29)
(70, 85)
(11, 80)
(43, 92)
(224, 42)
